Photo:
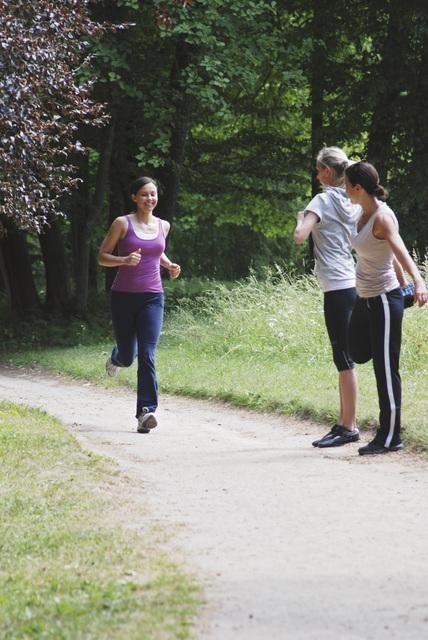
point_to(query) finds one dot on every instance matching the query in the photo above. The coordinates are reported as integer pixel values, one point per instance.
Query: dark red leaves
(41, 104)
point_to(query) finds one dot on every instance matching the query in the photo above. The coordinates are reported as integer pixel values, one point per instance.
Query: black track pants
(375, 332)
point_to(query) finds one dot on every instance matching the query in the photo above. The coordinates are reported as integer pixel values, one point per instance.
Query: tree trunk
(389, 81)
(317, 78)
(4, 278)
(118, 196)
(87, 212)
(169, 174)
(417, 219)
(58, 301)
(24, 301)
(79, 205)
(318, 67)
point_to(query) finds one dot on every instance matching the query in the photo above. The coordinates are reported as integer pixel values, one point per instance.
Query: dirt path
(290, 542)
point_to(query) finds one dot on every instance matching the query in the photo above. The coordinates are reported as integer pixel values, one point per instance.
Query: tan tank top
(375, 271)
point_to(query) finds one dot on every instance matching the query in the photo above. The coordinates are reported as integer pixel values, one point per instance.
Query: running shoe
(111, 369)
(328, 435)
(341, 436)
(146, 421)
(374, 448)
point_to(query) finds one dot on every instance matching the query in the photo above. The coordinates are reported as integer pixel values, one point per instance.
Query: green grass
(67, 569)
(24, 334)
(263, 345)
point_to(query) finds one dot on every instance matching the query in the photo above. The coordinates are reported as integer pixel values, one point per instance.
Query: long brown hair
(364, 174)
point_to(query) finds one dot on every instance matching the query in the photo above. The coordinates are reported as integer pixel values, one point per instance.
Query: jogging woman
(136, 296)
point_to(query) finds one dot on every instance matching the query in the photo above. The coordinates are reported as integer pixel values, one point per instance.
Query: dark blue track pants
(375, 333)
(137, 323)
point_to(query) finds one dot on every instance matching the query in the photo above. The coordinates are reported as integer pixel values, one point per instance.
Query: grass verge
(68, 570)
(261, 345)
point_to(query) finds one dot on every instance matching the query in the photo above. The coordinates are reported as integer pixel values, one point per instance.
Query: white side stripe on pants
(387, 363)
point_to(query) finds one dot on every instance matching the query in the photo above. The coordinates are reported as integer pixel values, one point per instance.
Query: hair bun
(380, 192)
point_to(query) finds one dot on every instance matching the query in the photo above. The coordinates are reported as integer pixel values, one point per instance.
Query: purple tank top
(145, 277)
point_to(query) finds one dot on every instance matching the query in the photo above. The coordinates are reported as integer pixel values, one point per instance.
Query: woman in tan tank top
(375, 328)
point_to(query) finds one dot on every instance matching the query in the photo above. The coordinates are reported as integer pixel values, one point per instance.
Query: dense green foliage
(226, 104)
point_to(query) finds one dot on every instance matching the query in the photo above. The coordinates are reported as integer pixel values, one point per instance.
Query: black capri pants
(338, 307)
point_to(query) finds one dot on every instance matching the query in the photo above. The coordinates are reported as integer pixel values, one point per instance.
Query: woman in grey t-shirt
(331, 219)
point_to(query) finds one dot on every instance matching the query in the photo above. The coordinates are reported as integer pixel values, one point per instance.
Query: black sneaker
(328, 435)
(374, 448)
(146, 421)
(341, 436)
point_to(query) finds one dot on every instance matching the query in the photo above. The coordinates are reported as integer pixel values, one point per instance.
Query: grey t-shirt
(337, 221)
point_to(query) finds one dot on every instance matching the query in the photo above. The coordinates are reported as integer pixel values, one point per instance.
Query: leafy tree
(382, 66)
(248, 143)
(227, 104)
(42, 104)
(42, 45)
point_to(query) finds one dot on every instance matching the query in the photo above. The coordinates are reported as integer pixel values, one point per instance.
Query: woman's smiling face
(146, 197)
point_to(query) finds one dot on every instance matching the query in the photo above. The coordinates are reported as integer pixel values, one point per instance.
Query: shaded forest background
(225, 104)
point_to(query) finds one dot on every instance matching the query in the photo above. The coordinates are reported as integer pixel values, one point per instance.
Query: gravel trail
(290, 542)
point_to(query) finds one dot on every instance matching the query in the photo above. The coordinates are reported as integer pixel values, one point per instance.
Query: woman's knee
(147, 353)
(124, 357)
(341, 357)
(360, 356)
